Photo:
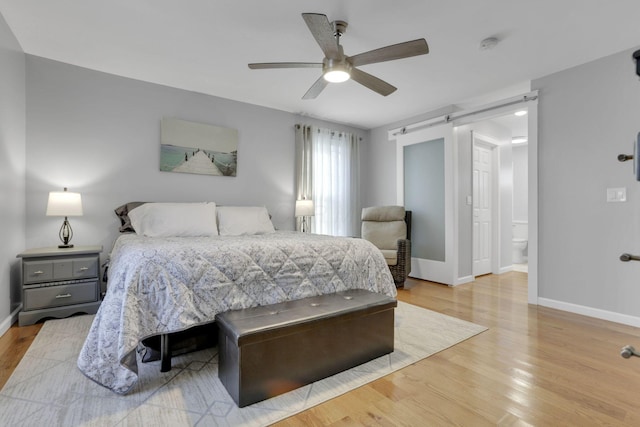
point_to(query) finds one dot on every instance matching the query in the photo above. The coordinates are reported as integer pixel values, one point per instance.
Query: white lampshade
(305, 208)
(64, 203)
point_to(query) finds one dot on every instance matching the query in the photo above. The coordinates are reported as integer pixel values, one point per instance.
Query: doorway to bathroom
(516, 123)
(493, 210)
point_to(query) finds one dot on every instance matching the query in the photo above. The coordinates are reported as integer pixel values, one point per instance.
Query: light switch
(469, 200)
(616, 194)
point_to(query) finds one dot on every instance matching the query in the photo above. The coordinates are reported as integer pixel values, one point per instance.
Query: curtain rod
(298, 126)
(520, 99)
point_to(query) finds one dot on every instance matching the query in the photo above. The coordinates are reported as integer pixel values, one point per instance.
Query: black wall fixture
(636, 56)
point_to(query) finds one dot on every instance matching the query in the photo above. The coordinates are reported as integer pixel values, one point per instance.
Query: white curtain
(328, 173)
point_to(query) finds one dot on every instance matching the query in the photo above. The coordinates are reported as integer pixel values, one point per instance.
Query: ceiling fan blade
(372, 82)
(316, 88)
(264, 65)
(389, 53)
(322, 31)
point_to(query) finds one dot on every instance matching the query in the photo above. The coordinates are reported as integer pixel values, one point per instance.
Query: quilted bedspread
(159, 285)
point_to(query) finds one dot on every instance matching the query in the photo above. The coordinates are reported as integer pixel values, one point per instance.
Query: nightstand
(59, 282)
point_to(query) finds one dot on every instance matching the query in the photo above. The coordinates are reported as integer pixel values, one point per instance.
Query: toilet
(519, 241)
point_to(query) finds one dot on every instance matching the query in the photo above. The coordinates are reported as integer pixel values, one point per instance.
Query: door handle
(629, 257)
(628, 351)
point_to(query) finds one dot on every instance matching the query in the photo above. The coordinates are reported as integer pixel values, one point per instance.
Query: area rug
(48, 389)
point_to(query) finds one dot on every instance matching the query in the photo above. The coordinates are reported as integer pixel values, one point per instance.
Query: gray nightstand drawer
(47, 270)
(85, 267)
(59, 295)
(38, 271)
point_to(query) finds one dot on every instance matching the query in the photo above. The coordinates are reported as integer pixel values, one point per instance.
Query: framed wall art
(188, 147)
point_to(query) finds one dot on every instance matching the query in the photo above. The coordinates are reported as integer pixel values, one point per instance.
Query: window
(328, 173)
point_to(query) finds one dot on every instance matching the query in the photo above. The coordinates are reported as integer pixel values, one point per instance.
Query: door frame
(438, 271)
(506, 106)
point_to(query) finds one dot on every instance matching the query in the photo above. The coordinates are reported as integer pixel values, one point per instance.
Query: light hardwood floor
(534, 366)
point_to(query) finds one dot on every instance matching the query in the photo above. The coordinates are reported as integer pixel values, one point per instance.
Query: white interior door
(482, 201)
(425, 168)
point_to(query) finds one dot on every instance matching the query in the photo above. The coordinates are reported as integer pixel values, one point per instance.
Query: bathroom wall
(520, 182)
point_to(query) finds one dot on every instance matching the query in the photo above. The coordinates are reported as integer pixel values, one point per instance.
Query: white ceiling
(205, 46)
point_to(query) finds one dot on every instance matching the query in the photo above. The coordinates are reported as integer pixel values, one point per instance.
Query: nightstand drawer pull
(63, 296)
(84, 268)
(38, 272)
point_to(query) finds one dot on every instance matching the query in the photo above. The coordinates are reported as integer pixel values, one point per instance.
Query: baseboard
(505, 269)
(591, 312)
(462, 280)
(10, 320)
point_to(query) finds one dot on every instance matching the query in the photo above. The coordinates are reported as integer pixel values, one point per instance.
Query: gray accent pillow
(123, 214)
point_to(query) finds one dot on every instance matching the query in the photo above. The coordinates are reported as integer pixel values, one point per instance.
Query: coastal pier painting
(189, 147)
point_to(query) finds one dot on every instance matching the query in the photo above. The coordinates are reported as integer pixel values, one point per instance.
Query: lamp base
(65, 246)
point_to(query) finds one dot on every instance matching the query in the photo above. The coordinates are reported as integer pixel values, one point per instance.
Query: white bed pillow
(174, 219)
(243, 220)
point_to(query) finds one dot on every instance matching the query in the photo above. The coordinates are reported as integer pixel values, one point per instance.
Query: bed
(161, 284)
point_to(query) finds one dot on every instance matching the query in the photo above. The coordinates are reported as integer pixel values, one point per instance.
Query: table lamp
(304, 208)
(66, 204)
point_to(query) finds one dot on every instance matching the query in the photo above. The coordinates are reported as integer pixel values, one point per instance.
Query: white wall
(99, 134)
(520, 182)
(587, 116)
(12, 171)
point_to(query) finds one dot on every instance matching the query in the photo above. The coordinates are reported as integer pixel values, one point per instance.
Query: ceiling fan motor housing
(339, 28)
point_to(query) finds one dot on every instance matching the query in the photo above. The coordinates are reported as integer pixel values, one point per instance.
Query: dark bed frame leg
(165, 353)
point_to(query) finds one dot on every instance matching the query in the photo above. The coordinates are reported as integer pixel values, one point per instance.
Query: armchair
(388, 228)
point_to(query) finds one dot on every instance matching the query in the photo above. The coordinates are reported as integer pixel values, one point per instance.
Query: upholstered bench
(269, 350)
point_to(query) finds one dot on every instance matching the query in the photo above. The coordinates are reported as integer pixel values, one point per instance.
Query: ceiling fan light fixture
(336, 71)
(336, 76)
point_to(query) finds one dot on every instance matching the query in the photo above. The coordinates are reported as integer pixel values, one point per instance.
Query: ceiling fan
(337, 67)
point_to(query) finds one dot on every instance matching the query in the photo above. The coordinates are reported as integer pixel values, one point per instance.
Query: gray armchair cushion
(384, 235)
(384, 226)
(383, 213)
(390, 255)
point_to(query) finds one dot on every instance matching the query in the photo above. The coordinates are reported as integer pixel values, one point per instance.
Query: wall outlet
(616, 194)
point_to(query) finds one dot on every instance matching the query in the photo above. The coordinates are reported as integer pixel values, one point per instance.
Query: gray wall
(12, 170)
(587, 116)
(99, 134)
